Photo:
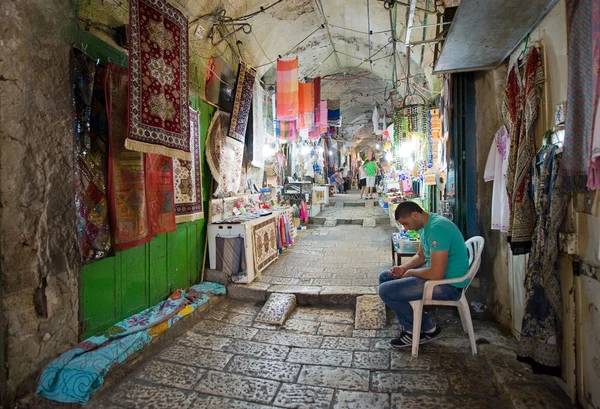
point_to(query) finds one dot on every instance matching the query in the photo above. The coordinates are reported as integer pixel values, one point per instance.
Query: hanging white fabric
(376, 127)
(259, 126)
(495, 169)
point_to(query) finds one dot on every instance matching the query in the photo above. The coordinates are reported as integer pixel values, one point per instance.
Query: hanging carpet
(158, 82)
(224, 155)
(265, 243)
(287, 90)
(187, 176)
(91, 166)
(126, 177)
(160, 200)
(242, 102)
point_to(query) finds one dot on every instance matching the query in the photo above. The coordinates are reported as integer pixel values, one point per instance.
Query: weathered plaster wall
(494, 266)
(38, 241)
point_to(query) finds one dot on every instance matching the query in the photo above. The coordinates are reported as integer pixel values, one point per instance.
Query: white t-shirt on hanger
(495, 169)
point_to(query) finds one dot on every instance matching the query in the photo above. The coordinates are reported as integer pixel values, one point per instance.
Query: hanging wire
(293, 48)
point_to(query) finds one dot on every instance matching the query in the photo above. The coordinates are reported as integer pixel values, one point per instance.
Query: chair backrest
(475, 248)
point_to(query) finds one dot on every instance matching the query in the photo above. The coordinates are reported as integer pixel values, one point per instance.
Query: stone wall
(489, 89)
(39, 270)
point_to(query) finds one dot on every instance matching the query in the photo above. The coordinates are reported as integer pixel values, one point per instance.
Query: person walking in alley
(442, 254)
(371, 169)
(362, 179)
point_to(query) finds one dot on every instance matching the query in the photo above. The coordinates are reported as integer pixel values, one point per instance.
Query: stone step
(330, 223)
(370, 312)
(369, 222)
(277, 309)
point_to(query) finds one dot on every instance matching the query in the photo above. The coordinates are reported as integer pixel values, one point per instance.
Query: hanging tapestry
(580, 93)
(259, 131)
(224, 156)
(287, 90)
(520, 108)
(333, 113)
(91, 166)
(317, 100)
(160, 196)
(305, 106)
(323, 123)
(220, 82)
(265, 243)
(230, 256)
(158, 79)
(242, 102)
(541, 330)
(187, 177)
(593, 181)
(126, 178)
(285, 130)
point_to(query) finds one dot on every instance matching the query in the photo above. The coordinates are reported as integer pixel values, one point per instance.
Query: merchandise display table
(398, 252)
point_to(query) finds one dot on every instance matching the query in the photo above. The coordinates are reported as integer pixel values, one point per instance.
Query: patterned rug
(224, 155)
(127, 189)
(265, 243)
(242, 102)
(287, 90)
(187, 177)
(160, 193)
(158, 68)
(91, 166)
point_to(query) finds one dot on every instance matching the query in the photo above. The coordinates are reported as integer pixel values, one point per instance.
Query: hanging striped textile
(317, 99)
(285, 130)
(287, 90)
(323, 117)
(333, 113)
(306, 105)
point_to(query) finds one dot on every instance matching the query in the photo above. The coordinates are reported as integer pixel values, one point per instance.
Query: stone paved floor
(344, 255)
(317, 360)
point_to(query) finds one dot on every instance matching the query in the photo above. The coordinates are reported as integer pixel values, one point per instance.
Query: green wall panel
(159, 281)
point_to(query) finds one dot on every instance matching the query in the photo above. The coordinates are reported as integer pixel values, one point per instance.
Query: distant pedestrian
(362, 178)
(371, 169)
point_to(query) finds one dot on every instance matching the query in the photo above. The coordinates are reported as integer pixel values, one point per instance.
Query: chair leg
(462, 319)
(464, 306)
(417, 307)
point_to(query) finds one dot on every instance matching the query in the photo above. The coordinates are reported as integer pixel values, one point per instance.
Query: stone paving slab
(215, 402)
(327, 376)
(226, 330)
(288, 339)
(320, 357)
(259, 350)
(358, 400)
(149, 396)
(238, 386)
(335, 329)
(409, 382)
(370, 312)
(205, 341)
(346, 343)
(202, 358)
(277, 309)
(170, 374)
(342, 316)
(404, 401)
(371, 360)
(264, 368)
(302, 326)
(304, 397)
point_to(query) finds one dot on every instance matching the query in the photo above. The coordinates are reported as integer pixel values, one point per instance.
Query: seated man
(442, 254)
(336, 180)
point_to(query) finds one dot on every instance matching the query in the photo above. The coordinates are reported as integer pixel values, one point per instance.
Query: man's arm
(436, 269)
(415, 261)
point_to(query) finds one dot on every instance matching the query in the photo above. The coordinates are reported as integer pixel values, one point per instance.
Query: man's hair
(405, 209)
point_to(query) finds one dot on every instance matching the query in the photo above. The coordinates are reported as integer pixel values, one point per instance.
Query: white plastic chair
(474, 247)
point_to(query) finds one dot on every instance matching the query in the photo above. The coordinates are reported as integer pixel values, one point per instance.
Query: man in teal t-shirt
(442, 254)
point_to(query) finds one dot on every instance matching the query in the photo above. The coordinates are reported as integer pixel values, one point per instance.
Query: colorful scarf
(126, 177)
(187, 177)
(306, 107)
(285, 130)
(580, 94)
(91, 166)
(258, 122)
(224, 155)
(323, 122)
(317, 99)
(287, 90)
(242, 102)
(594, 168)
(158, 79)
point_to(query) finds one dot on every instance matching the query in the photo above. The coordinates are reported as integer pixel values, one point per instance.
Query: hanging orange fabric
(287, 90)
(306, 105)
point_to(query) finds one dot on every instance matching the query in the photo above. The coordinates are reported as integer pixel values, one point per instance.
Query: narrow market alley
(337, 204)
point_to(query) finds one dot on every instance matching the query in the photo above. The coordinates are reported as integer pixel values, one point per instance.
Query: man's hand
(397, 271)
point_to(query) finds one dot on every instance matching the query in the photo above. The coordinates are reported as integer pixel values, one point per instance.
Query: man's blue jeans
(397, 294)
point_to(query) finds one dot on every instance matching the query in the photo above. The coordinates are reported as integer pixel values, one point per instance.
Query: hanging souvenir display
(265, 243)
(91, 167)
(160, 193)
(158, 80)
(333, 113)
(287, 90)
(242, 102)
(224, 155)
(305, 106)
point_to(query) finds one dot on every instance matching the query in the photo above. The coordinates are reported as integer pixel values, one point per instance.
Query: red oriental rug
(126, 178)
(187, 177)
(160, 200)
(158, 82)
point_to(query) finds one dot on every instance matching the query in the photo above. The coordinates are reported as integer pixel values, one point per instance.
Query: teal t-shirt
(440, 234)
(371, 168)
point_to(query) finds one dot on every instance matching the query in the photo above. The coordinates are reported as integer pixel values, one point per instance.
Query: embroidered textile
(265, 243)
(216, 210)
(242, 102)
(126, 176)
(285, 130)
(580, 94)
(187, 179)
(520, 109)
(287, 90)
(230, 256)
(160, 196)
(306, 106)
(495, 170)
(258, 122)
(224, 155)
(541, 330)
(79, 372)
(594, 167)
(158, 79)
(91, 167)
